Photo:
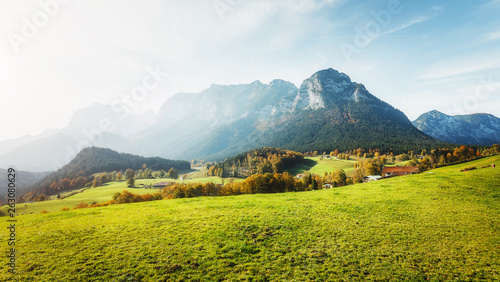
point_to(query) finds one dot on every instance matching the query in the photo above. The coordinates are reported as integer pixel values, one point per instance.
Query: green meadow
(440, 225)
(320, 166)
(100, 194)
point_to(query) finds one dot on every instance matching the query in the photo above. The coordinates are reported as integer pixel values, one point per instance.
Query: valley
(104, 193)
(226, 140)
(440, 225)
(262, 182)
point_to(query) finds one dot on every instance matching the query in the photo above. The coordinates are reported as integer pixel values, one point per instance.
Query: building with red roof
(391, 171)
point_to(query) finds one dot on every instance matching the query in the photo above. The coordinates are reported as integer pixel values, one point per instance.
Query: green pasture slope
(443, 225)
(99, 195)
(318, 166)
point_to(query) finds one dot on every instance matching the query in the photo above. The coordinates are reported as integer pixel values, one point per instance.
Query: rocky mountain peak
(329, 87)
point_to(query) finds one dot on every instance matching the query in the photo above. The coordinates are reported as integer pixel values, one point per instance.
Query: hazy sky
(59, 56)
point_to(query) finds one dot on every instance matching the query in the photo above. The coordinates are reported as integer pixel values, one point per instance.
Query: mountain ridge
(257, 122)
(327, 112)
(473, 129)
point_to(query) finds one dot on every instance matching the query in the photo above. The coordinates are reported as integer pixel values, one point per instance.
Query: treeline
(98, 180)
(372, 162)
(442, 157)
(95, 160)
(258, 161)
(255, 184)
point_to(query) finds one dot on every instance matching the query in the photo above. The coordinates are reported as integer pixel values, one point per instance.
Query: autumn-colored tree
(53, 186)
(340, 176)
(81, 205)
(442, 160)
(41, 198)
(179, 193)
(146, 197)
(370, 169)
(127, 197)
(119, 176)
(449, 158)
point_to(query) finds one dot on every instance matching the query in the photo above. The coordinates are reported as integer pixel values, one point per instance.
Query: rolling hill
(95, 160)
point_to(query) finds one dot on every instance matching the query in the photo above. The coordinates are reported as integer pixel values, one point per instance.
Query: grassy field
(99, 195)
(318, 166)
(442, 225)
(93, 195)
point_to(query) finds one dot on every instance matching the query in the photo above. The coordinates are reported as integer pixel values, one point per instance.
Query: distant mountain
(96, 125)
(223, 114)
(24, 179)
(7, 146)
(475, 129)
(94, 160)
(328, 112)
(112, 118)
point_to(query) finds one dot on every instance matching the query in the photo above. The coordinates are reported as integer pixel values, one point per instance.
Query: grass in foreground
(443, 225)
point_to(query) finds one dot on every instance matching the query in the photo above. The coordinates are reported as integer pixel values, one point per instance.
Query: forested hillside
(94, 160)
(262, 160)
(24, 181)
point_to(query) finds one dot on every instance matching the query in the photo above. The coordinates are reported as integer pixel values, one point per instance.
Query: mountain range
(476, 129)
(327, 112)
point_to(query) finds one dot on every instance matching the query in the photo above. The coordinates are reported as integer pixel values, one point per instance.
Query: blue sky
(59, 56)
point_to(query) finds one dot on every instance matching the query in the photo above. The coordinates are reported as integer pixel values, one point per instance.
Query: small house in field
(328, 185)
(299, 176)
(392, 171)
(371, 178)
(161, 185)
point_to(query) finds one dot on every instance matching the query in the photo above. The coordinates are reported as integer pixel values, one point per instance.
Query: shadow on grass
(302, 167)
(186, 171)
